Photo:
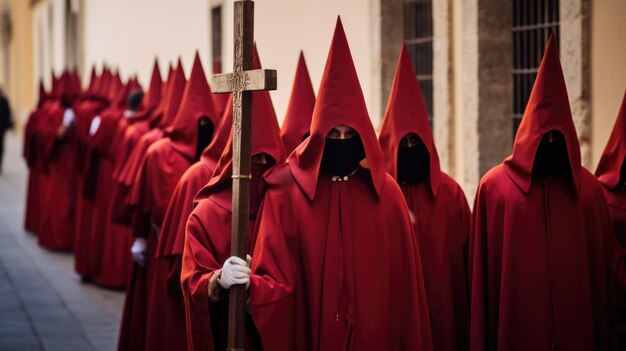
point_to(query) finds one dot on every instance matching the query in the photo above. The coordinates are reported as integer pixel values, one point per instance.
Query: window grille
(418, 35)
(533, 22)
(216, 38)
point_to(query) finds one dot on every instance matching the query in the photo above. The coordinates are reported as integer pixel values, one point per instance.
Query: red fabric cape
(608, 173)
(313, 264)
(441, 212)
(541, 251)
(57, 226)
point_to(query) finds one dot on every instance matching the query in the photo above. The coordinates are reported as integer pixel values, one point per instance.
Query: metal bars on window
(216, 38)
(533, 22)
(418, 35)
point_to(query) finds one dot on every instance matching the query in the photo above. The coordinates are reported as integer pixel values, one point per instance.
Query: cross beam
(241, 83)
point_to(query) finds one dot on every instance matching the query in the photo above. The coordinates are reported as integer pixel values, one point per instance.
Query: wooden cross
(241, 83)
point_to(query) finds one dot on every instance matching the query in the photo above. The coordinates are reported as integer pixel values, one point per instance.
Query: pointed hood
(105, 82)
(196, 103)
(75, 82)
(300, 109)
(55, 85)
(114, 87)
(43, 95)
(176, 86)
(612, 159)
(339, 101)
(92, 81)
(406, 113)
(153, 95)
(265, 139)
(547, 110)
(211, 154)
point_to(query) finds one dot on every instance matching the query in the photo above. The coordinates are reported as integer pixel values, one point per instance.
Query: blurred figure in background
(6, 122)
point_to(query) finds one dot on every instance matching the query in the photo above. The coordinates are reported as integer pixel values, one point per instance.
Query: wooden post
(241, 83)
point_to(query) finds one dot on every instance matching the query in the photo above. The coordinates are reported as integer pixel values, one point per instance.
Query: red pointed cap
(406, 113)
(547, 110)
(176, 86)
(300, 109)
(213, 152)
(612, 159)
(196, 103)
(105, 82)
(92, 80)
(153, 95)
(339, 101)
(42, 92)
(265, 139)
(114, 87)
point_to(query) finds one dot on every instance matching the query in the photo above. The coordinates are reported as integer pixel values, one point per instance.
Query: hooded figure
(611, 173)
(298, 117)
(137, 123)
(335, 263)
(170, 105)
(207, 242)
(108, 253)
(30, 152)
(163, 165)
(172, 238)
(541, 245)
(58, 151)
(437, 204)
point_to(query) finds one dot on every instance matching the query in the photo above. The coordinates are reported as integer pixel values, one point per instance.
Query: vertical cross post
(241, 82)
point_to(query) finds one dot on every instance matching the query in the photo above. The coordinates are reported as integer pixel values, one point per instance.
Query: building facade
(475, 59)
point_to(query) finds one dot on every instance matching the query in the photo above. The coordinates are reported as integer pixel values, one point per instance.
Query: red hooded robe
(57, 226)
(438, 204)
(164, 164)
(172, 238)
(207, 243)
(336, 264)
(541, 248)
(614, 186)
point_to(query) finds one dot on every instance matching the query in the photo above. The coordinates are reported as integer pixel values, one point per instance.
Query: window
(533, 22)
(71, 34)
(216, 38)
(418, 35)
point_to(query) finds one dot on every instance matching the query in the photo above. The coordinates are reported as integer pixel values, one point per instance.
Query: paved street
(43, 304)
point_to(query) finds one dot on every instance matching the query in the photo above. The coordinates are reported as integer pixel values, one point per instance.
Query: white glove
(129, 113)
(235, 271)
(68, 117)
(139, 251)
(95, 124)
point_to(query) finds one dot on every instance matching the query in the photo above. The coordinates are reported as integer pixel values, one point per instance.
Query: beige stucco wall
(129, 34)
(283, 28)
(18, 82)
(608, 69)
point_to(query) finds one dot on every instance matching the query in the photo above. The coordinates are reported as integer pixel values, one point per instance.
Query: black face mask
(413, 164)
(552, 160)
(342, 156)
(205, 135)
